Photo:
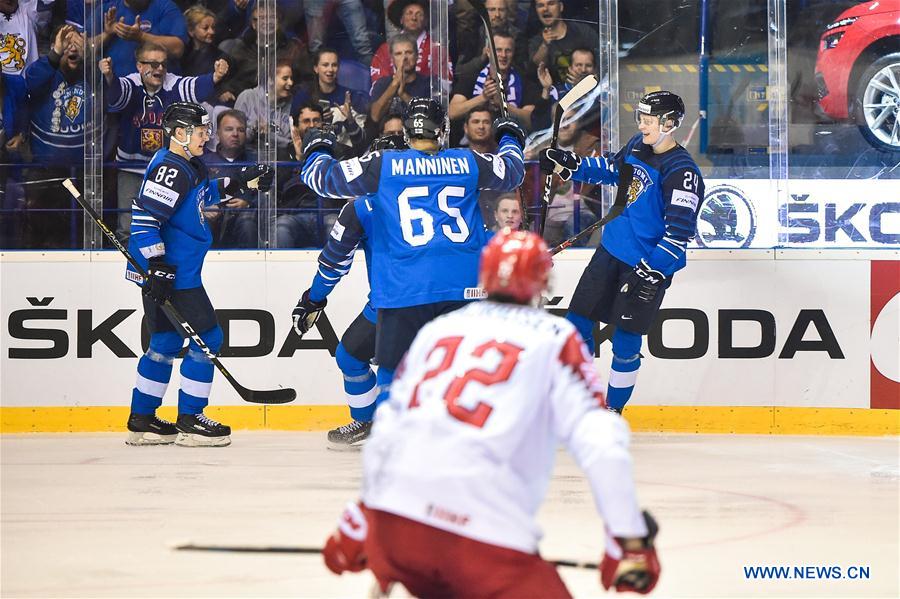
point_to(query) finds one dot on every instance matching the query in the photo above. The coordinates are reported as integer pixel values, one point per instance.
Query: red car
(858, 71)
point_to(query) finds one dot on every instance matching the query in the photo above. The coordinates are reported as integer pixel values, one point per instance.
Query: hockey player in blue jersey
(641, 250)
(427, 231)
(170, 238)
(357, 347)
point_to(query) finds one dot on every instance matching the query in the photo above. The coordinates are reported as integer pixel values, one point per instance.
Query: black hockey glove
(251, 178)
(319, 140)
(508, 126)
(306, 313)
(160, 280)
(643, 282)
(561, 162)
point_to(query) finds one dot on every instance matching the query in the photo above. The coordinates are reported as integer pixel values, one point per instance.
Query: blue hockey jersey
(663, 202)
(427, 231)
(351, 231)
(140, 130)
(167, 217)
(59, 110)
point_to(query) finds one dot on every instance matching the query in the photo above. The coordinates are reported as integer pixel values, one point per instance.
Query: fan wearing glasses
(140, 99)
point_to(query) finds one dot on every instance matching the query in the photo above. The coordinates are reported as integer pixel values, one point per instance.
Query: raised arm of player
(337, 179)
(682, 192)
(336, 257)
(504, 170)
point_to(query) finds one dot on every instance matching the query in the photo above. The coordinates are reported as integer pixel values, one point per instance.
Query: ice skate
(350, 435)
(196, 430)
(147, 429)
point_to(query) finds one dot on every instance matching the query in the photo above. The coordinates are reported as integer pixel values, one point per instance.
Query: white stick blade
(580, 90)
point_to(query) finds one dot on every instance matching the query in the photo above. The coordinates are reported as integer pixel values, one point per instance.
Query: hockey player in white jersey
(461, 454)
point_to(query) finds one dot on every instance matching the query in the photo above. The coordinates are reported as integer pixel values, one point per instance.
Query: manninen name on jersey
(437, 165)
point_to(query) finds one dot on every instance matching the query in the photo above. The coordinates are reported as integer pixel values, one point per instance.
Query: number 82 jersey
(427, 231)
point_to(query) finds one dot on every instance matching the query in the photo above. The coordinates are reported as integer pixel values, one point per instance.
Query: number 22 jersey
(467, 440)
(427, 231)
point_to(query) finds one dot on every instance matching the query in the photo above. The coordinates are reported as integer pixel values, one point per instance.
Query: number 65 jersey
(466, 442)
(427, 231)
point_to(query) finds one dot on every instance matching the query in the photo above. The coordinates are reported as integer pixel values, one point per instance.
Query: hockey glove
(259, 176)
(631, 564)
(306, 313)
(561, 162)
(319, 140)
(508, 126)
(160, 280)
(345, 549)
(643, 282)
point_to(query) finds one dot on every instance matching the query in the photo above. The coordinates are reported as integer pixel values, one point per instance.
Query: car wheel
(877, 103)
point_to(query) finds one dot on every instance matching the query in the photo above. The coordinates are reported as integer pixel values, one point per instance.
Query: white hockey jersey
(18, 38)
(467, 441)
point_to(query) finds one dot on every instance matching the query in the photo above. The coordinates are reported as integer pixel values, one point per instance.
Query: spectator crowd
(348, 64)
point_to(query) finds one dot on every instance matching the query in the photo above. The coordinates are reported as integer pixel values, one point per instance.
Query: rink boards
(755, 341)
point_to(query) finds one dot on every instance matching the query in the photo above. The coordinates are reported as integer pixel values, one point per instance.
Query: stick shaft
(295, 549)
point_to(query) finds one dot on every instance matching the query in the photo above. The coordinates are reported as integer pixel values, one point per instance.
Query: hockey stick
(481, 9)
(315, 550)
(274, 396)
(626, 173)
(581, 89)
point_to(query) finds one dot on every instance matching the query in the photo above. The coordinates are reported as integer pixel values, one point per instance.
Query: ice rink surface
(84, 515)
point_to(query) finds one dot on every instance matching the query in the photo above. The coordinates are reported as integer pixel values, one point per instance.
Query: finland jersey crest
(641, 182)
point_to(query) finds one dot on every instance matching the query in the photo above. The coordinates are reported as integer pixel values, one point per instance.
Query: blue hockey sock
(384, 378)
(585, 328)
(359, 384)
(153, 373)
(196, 382)
(197, 374)
(625, 364)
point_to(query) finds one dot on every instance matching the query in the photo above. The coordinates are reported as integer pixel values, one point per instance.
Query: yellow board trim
(681, 419)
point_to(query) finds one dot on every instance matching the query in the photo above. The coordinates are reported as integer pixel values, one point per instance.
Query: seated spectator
(479, 131)
(59, 101)
(392, 124)
(473, 49)
(128, 24)
(349, 118)
(252, 101)
(140, 99)
(558, 38)
(234, 224)
(405, 83)
(200, 54)
(483, 91)
(303, 217)
(350, 12)
(582, 65)
(410, 16)
(242, 52)
(508, 213)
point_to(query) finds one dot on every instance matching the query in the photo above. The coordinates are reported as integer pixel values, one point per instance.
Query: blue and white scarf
(513, 86)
